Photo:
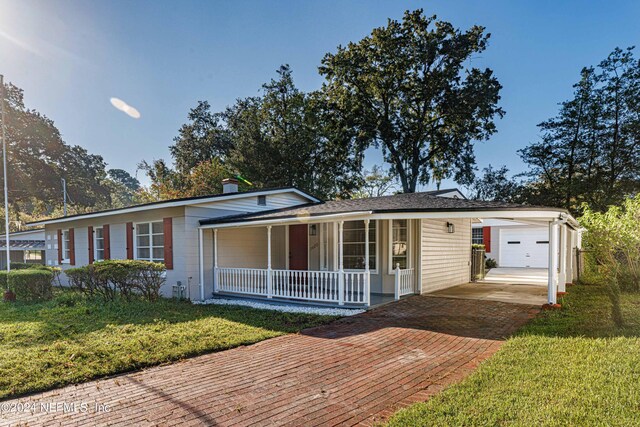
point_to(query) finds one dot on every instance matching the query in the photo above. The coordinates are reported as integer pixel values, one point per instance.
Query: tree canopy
(408, 88)
(590, 151)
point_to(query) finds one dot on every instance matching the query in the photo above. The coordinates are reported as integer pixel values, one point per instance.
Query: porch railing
(403, 281)
(321, 286)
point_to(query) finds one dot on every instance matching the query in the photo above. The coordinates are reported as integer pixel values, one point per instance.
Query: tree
(495, 185)
(200, 140)
(283, 139)
(407, 88)
(38, 159)
(377, 182)
(123, 177)
(589, 152)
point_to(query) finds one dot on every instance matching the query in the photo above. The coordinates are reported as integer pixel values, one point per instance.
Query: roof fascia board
(170, 204)
(544, 215)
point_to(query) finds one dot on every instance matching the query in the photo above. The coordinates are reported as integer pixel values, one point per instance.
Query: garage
(524, 247)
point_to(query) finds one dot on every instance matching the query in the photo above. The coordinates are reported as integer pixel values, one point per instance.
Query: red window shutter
(90, 243)
(59, 246)
(107, 241)
(486, 238)
(129, 240)
(72, 247)
(168, 243)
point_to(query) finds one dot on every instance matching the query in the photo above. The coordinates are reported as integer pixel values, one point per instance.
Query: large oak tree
(409, 89)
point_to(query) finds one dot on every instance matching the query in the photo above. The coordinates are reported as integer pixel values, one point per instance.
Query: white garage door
(524, 247)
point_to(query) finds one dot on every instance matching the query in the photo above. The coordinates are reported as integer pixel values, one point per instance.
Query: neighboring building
(25, 246)
(284, 243)
(512, 243)
(452, 193)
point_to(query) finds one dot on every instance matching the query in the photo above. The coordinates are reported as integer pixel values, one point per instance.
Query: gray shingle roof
(409, 202)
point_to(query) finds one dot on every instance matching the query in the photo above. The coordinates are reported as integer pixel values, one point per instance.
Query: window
(66, 250)
(150, 241)
(353, 245)
(477, 236)
(399, 243)
(98, 246)
(32, 255)
(262, 200)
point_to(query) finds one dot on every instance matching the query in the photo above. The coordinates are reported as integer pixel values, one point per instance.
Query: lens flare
(125, 108)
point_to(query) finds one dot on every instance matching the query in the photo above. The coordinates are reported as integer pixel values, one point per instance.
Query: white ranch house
(285, 244)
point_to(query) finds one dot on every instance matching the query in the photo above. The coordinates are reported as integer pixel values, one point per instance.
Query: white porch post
(201, 261)
(269, 283)
(367, 271)
(215, 260)
(397, 282)
(562, 275)
(341, 262)
(553, 263)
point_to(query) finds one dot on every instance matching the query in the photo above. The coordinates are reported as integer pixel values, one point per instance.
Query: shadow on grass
(71, 316)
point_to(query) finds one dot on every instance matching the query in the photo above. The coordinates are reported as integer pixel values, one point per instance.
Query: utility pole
(4, 162)
(64, 196)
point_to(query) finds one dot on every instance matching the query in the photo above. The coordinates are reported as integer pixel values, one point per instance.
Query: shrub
(490, 263)
(3, 279)
(127, 278)
(20, 265)
(31, 285)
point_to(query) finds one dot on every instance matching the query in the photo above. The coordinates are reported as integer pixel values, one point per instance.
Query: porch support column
(367, 267)
(201, 262)
(562, 275)
(269, 283)
(341, 262)
(553, 263)
(215, 260)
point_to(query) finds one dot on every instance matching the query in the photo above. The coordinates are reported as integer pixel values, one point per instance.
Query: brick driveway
(357, 370)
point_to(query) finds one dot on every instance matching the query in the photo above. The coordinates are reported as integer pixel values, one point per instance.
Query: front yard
(71, 339)
(568, 367)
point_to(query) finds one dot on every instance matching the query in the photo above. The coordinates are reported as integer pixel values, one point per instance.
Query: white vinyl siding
(445, 256)
(149, 241)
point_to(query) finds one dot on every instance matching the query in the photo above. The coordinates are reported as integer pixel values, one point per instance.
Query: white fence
(403, 281)
(321, 286)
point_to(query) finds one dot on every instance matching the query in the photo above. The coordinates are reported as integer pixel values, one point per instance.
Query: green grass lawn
(71, 339)
(567, 367)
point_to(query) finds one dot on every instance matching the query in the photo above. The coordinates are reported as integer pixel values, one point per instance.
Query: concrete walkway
(358, 370)
(517, 276)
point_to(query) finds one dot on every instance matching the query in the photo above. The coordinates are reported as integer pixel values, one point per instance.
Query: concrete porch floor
(516, 294)
(512, 285)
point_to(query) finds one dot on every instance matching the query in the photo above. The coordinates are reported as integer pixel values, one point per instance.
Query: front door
(298, 247)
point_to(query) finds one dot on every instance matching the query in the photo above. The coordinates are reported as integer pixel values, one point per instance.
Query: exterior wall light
(313, 230)
(451, 228)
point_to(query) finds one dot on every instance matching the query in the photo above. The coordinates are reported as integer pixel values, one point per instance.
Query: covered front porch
(352, 262)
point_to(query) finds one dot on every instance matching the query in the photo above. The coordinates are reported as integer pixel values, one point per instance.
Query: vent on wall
(262, 200)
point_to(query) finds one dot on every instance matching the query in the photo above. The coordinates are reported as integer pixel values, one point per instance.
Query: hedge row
(29, 284)
(127, 278)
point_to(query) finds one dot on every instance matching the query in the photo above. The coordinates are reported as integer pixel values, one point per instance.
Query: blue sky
(161, 57)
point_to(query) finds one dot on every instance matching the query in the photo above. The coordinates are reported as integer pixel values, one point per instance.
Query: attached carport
(564, 237)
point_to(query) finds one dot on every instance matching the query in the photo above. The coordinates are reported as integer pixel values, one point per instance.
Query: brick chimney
(229, 185)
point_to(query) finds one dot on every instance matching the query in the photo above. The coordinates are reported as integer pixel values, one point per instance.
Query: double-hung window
(150, 241)
(354, 245)
(399, 243)
(98, 251)
(66, 246)
(477, 236)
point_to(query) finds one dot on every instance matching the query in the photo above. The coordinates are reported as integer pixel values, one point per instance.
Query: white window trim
(372, 271)
(392, 267)
(135, 241)
(65, 248)
(482, 231)
(95, 243)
